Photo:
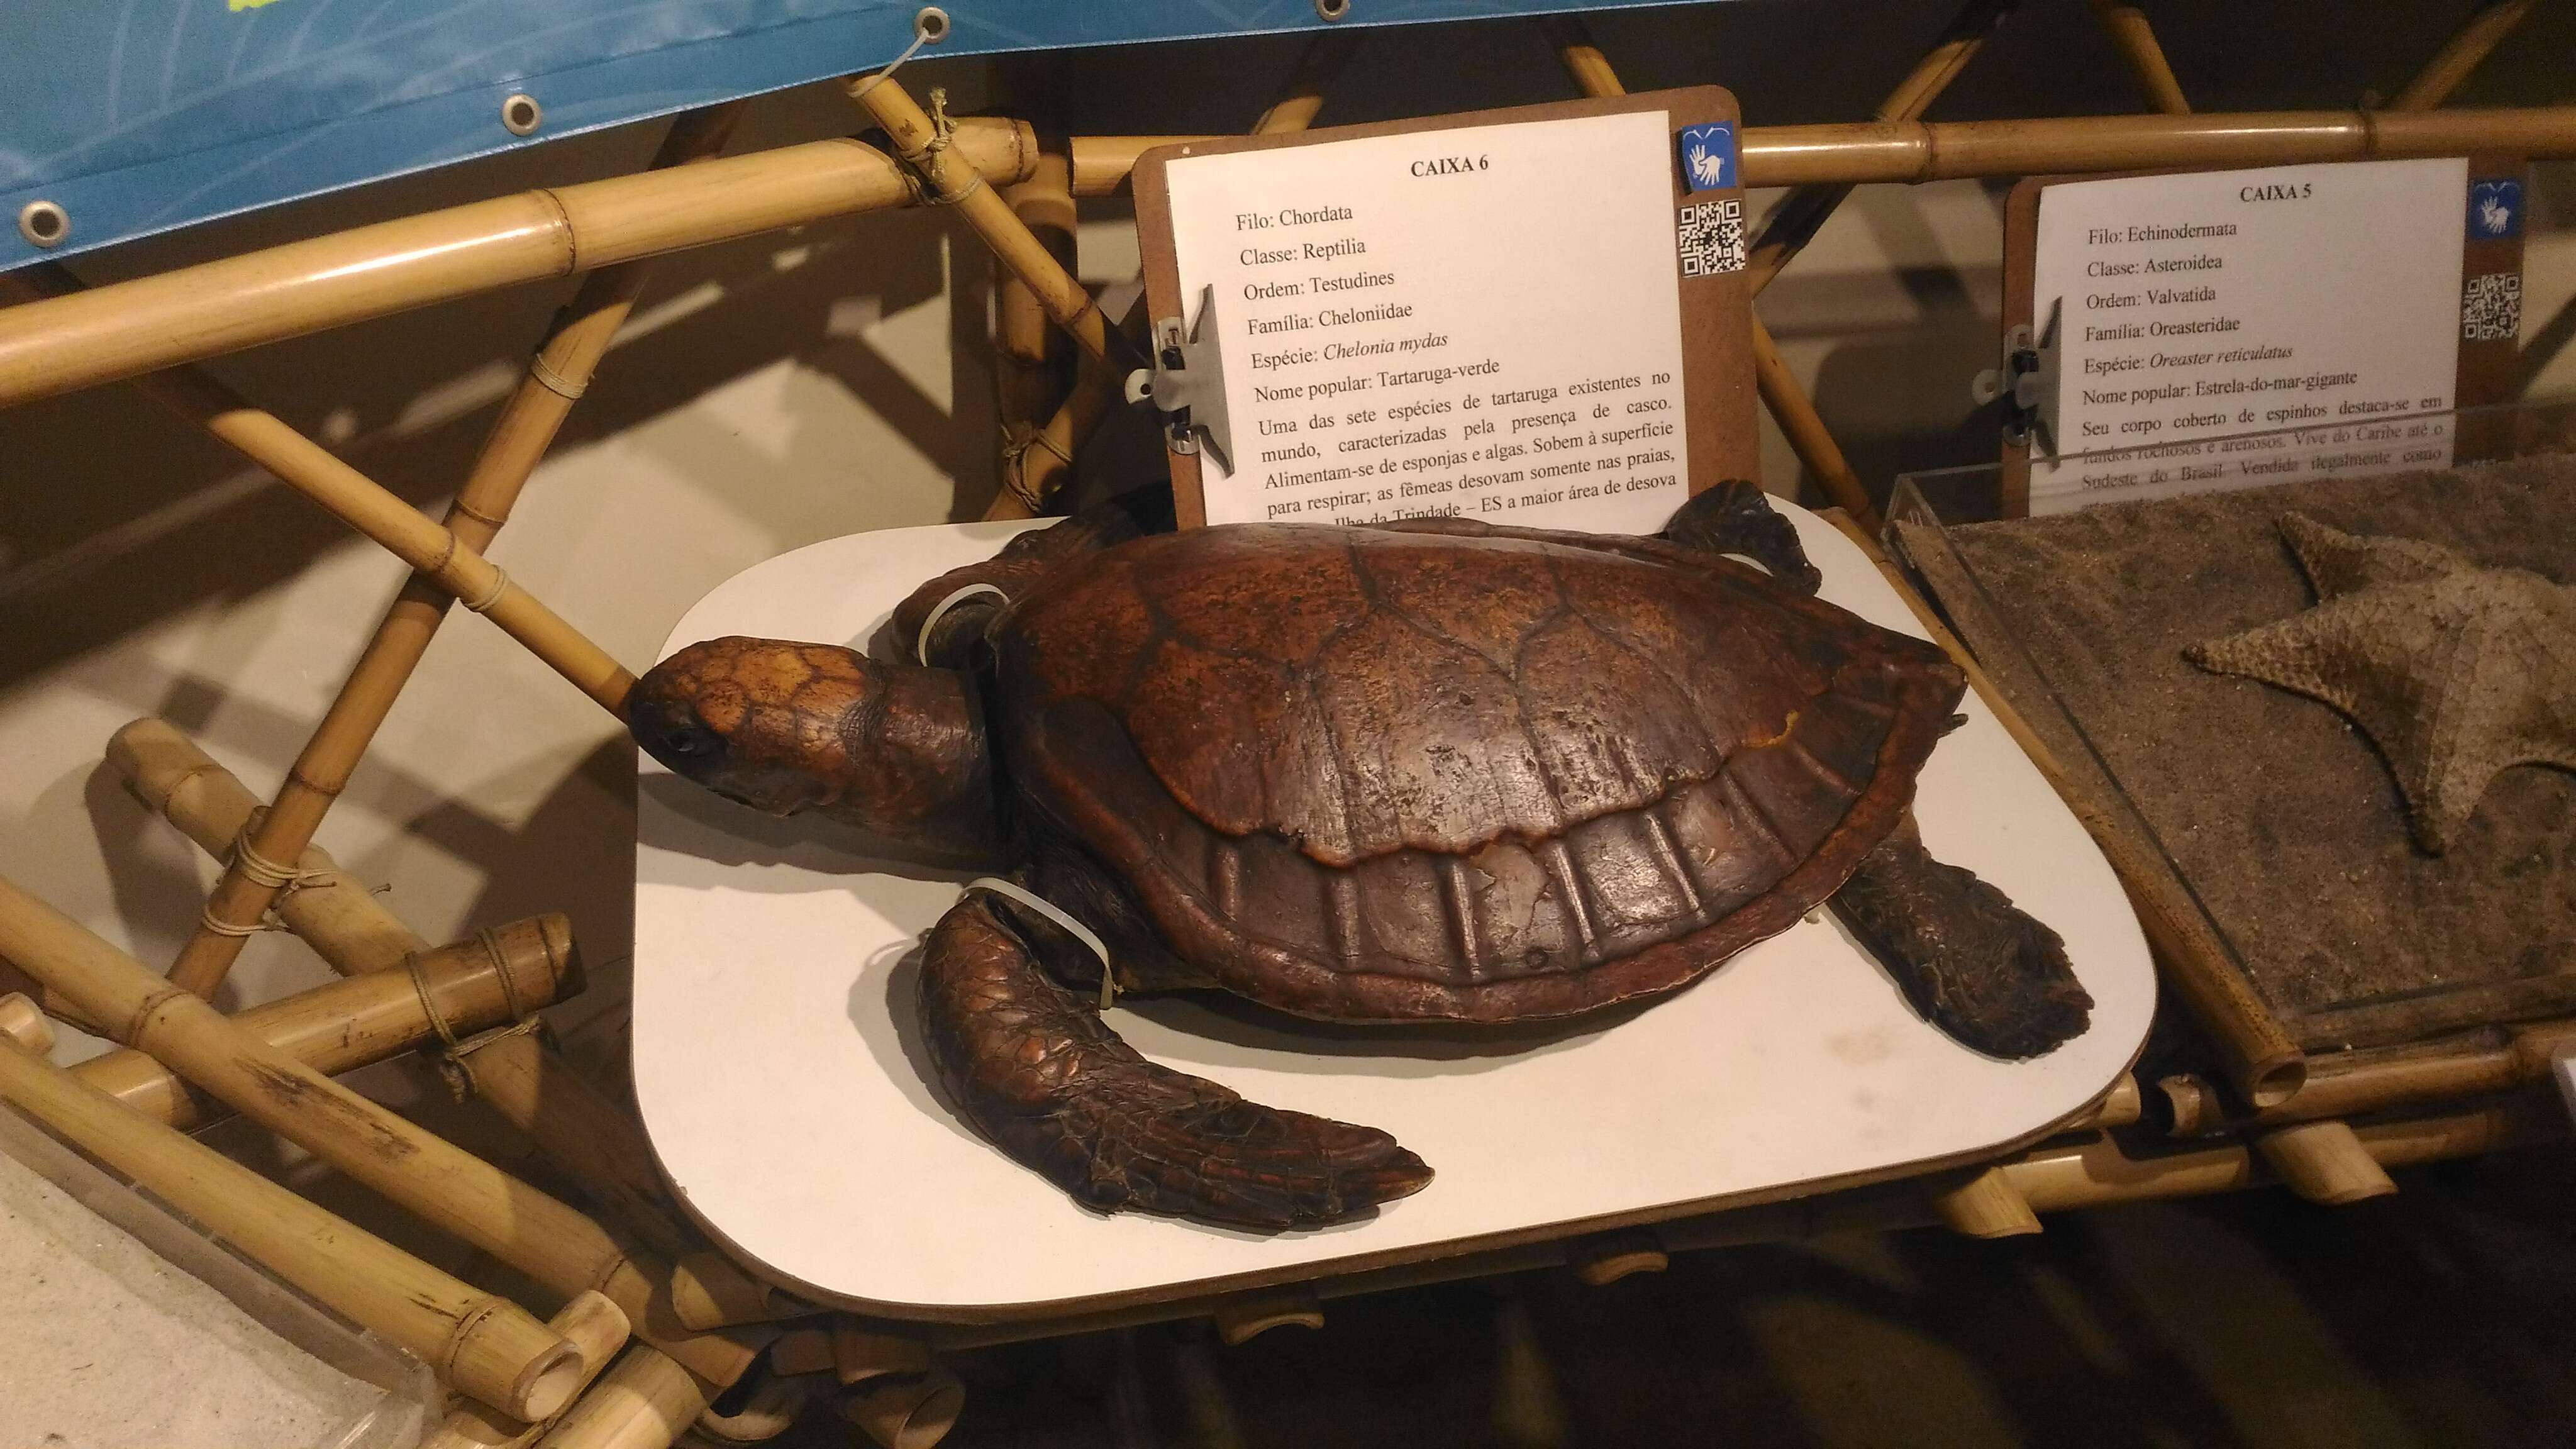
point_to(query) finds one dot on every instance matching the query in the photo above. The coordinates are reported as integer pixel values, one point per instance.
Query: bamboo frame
(480, 1344)
(597, 1142)
(333, 912)
(2324, 1162)
(644, 1401)
(474, 984)
(2059, 1176)
(1802, 213)
(190, 313)
(23, 1022)
(554, 378)
(772, 1409)
(2467, 48)
(2136, 41)
(596, 1330)
(905, 1413)
(1605, 1258)
(958, 182)
(1046, 456)
(438, 1182)
(1033, 377)
(1982, 1203)
(2378, 1079)
(1246, 1316)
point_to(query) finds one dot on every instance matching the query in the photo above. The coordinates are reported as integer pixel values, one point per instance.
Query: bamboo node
(553, 382)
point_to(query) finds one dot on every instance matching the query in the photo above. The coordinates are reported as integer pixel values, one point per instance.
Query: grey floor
(2441, 1316)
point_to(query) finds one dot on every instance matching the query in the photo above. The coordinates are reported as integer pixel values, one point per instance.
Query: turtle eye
(689, 743)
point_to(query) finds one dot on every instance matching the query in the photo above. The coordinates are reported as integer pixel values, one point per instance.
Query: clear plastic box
(411, 1399)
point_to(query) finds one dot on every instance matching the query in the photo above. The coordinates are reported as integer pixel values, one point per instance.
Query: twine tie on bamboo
(454, 1060)
(1062, 917)
(943, 132)
(260, 871)
(1016, 442)
(921, 646)
(491, 596)
(553, 382)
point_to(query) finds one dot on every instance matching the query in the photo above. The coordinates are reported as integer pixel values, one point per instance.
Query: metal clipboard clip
(1186, 385)
(2027, 381)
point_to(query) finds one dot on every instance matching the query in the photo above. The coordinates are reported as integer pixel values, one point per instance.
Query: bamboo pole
(495, 978)
(2355, 1083)
(905, 1412)
(286, 291)
(23, 1022)
(1039, 463)
(2257, 1053)
(644, 1401)
(1981, 1203)
(924, 146)
(771, 1410)
(2136, 40)
(1581, 58)
(1246, 1316)
(1802, 213)
(332, 911)
(108, 333)
(1790, 408)
(1033, 381)
(370, 508)
(2460, 55)
(596, 1330)
(555, 376)
(593, 1139)
(1805, 429)
(860, 1353)
(480, 1344)
(2324, 1162)
(443, 1185)
(1605, 1258)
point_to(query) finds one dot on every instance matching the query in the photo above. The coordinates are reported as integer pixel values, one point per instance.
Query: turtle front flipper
(1976, 966)
(1737, 517)
(1034, 1070)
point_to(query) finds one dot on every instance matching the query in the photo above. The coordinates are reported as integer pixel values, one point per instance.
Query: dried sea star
(2455, 671)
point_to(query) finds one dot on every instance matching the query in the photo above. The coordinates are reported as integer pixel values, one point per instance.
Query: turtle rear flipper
(1976, 967)
(1037, 1073)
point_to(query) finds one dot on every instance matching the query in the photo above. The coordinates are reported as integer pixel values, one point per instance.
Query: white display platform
(780, 1072)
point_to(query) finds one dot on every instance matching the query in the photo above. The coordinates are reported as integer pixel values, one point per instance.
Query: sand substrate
(104, 1345)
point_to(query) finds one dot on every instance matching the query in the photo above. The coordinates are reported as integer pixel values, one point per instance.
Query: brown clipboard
(1716, 311)
(2489, 369)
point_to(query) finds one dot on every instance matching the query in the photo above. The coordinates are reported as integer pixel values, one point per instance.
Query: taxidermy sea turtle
(1424, 771)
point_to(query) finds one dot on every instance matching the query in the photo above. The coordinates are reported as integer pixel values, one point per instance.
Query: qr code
(2491, 308)
(1712, 238)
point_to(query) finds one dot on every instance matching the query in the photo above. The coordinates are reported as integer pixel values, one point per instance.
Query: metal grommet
(44, 223)
(520, 114)
(930, 24)
(1333, 9)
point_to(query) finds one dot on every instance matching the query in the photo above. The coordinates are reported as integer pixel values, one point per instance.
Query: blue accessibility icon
(1708, 156)
(2495, 210)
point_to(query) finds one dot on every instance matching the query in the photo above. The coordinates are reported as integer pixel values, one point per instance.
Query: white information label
(2208, 305)
(1483, 322)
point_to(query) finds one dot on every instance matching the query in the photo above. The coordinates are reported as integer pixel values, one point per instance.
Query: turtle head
(783, 727)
